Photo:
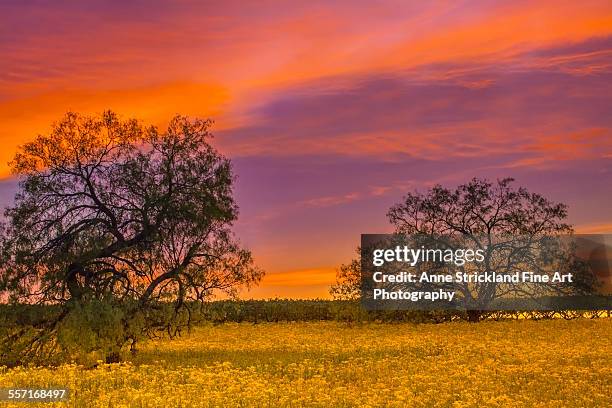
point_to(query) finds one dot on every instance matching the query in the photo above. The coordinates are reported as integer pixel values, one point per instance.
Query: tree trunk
(133, 348)
(113, 357)
(474, 316)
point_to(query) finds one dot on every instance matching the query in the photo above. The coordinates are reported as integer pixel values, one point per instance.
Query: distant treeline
(289, 310)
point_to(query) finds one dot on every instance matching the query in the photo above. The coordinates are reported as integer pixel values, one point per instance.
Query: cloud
(445, 110)
(332, 200)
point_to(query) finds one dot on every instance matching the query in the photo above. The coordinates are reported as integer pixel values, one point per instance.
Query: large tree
(511, 224)
(124, 217)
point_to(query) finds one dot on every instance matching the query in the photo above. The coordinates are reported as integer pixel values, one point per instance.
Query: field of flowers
(513, 363)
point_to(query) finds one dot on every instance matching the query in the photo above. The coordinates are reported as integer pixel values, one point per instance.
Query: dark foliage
(511, 224)
(112, 220)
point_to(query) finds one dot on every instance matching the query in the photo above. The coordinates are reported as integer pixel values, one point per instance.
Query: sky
(331, 111)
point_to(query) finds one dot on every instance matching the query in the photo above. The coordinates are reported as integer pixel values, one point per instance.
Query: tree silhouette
(511, 225)
(131, 220)
(347, 285)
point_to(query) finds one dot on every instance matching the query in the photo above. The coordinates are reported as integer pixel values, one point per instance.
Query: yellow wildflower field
(511, 363)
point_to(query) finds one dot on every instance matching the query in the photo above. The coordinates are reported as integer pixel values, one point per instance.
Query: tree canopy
(508, 223)
(478, 207)
(109, 210)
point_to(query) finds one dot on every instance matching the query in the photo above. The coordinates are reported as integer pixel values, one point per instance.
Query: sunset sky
(332, 110)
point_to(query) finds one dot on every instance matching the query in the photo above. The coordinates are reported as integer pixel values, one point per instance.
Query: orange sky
(307, 93)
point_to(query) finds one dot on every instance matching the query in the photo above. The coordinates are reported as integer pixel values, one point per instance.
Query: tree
(483, 212)
(347, 286)
(121, 225)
